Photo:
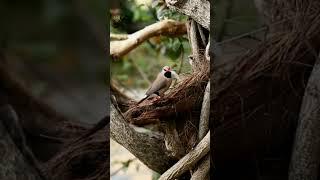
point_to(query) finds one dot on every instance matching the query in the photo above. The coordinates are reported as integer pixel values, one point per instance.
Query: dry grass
(90, 154)
(257, 102)
(182, 103)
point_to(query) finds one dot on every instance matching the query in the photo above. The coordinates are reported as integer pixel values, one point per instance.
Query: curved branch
(198, 10)
(148, 147)
(202, 171)
(166, 27)
(189, 160)
(305, 157)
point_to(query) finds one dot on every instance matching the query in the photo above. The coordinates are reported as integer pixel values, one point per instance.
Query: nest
(186, 95)
(257, 103)
(182, 104)
(84, 159)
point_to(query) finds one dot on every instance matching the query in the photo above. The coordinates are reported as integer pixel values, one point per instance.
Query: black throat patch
(167, 74)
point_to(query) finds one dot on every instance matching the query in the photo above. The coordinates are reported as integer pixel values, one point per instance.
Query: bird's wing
(158, 84)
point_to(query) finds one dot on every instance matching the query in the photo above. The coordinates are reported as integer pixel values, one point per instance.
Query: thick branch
(123, 101)
(196, 46)
(202, 171)
(189, 160)
(205, 113)
(305, 157)
(166, 27)
(199, 10)
(194, 42)
(172, 140)
(148, 147)
(118, 37)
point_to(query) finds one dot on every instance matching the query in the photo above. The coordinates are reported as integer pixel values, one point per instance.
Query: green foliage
(152, 55)
(163, 12)
(172, 48)
(131, 15)
(141, 14)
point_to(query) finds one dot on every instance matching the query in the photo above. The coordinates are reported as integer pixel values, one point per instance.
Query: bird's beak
(175, 75)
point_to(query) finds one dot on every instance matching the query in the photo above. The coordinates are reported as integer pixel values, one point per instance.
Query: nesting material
(256, 104)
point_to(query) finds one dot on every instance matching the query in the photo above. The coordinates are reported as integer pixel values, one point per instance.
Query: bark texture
(148, 147)
(189, 160)
(199, 10)
(203, 169)
(306, 150)
(205, 113)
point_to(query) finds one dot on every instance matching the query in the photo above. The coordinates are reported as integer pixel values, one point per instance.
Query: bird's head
(166, 68)
(169, 73)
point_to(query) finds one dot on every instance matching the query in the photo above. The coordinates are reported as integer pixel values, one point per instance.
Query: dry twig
(189, 160)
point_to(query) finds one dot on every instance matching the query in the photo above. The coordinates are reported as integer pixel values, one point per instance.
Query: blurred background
(135, 72)
(56, 48)
(237, 28)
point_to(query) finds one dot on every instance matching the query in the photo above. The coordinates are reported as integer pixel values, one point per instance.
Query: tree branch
(172, 140)
(148, 147)
(305, 157)
(166, 27)
(189, 160)
(199, 10)
(118, 37)
(196, 47)
(202, 171)
(205, 113)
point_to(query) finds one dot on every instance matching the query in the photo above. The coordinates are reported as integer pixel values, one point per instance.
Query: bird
(161, 84)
